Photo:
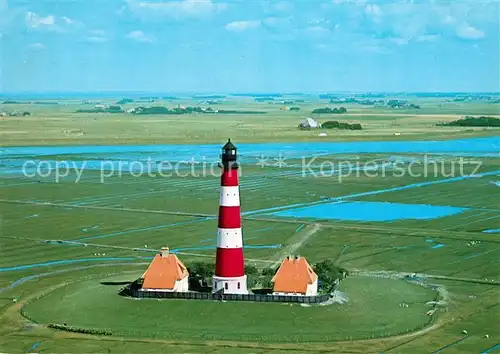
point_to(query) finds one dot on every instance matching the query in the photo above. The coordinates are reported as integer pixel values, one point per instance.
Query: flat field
(60, 124)
(118, 223)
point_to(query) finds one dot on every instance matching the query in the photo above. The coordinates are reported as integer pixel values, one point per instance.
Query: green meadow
(98, 307)
(117, 225)
(59, 124)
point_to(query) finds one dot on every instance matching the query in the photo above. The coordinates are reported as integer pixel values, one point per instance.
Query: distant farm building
(291, 109)
(309, 123)
(19, 113)
(166, 273)
(295, 277)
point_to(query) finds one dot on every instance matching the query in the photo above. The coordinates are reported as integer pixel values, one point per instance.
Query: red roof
(293, 276)
(163, 272)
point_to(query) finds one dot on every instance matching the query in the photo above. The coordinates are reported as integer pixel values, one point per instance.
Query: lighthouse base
(236, 285)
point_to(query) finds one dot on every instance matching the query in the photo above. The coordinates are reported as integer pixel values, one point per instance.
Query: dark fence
(191, 295)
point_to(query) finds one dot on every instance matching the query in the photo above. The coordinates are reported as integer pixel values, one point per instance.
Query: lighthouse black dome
(229, 156)
(229, 145)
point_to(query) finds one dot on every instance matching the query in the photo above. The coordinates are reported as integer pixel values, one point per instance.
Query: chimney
(164, 252)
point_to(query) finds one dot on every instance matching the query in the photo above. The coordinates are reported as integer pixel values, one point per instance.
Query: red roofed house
(166, 273)
(295, 277)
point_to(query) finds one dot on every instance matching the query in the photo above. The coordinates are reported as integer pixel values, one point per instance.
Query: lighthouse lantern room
(229, 274)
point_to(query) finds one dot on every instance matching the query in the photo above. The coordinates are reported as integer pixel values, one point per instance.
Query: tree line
(469, 121)
(328, 110)
(329, 274)
(333, 124)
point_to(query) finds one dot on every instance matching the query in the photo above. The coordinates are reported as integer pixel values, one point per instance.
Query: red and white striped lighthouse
(229, 264)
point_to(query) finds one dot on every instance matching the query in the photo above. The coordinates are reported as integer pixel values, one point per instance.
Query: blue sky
(241, 46)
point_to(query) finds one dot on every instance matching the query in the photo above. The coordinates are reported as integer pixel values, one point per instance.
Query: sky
(224, 46)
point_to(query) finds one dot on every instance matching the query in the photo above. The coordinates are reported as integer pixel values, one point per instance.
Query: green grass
(370, 246)
(57, 124)
(92, 305)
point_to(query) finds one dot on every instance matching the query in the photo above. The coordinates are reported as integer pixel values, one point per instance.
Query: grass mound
(373, 310)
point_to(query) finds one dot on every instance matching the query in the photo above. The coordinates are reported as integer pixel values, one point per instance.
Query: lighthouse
(229, 274)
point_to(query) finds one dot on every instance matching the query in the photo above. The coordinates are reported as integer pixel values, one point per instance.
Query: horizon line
(242, 93)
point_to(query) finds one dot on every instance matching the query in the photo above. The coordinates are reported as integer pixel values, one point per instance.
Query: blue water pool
(492, 231)
(370, 211)
(438, 246)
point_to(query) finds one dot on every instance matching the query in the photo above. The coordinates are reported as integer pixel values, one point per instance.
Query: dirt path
(444, 298)
(401, 274)
(295, 243)
(404, 232)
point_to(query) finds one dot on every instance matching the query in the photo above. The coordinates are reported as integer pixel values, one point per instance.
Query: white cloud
(174, 9)
(373, 10)
(140, 36)
(50, 22)
(466, 31)
(67, 20)
(457, 18)
(33, 20)
(239, 26)
(411, 20)
(37, 46)
(96, 36)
